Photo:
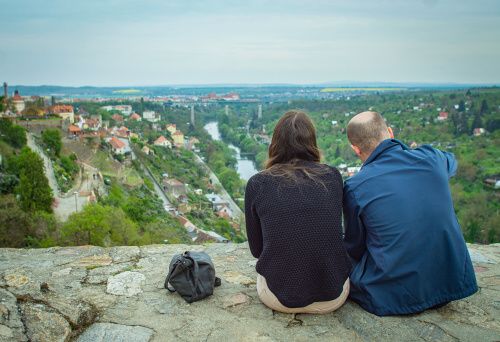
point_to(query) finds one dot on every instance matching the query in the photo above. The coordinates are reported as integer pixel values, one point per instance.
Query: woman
(293, 215)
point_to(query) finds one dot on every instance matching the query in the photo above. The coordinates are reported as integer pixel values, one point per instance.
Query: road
(237, 213)
(65, 204)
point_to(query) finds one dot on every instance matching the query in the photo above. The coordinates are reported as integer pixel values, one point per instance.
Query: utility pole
(226, 109)
(76, 201)
(192, 115)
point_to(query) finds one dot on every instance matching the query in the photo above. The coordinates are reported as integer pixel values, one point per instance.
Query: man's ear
(391, 133)
(356, 150)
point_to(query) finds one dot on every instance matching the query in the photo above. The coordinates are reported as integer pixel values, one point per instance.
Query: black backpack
(192, 275)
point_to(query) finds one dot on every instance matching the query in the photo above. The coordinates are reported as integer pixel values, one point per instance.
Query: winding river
(245, 167)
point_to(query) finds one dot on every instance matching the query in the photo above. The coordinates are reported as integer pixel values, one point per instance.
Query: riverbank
(245, 167)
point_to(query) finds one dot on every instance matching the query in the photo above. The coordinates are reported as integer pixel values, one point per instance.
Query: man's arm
(355, 233)
(254, 231)
(446, 159)
(450, 162)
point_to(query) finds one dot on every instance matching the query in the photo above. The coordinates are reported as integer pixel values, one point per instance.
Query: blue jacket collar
(382, 147)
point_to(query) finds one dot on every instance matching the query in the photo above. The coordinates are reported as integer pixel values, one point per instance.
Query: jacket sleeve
(449, 161)
(444, 159)
(355, 233)
(254, 231)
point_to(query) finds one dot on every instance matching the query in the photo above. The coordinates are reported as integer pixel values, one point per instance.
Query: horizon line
(274, 84)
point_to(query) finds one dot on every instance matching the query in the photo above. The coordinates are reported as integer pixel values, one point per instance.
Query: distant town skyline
(133, 43)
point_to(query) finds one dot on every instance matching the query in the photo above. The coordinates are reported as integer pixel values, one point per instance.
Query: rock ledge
(101, 294)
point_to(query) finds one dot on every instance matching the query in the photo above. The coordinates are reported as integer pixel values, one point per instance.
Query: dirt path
(65, 204)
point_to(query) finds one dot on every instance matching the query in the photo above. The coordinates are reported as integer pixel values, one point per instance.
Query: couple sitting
(402, 249)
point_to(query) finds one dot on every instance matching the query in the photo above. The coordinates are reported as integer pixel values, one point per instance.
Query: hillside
(95, 294)
(464, 122)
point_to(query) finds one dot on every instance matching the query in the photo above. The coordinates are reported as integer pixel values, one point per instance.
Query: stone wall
(116, 294)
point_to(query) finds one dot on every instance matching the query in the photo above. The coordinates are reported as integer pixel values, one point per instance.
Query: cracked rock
(126, 284)
(10, 318)
(43, 324)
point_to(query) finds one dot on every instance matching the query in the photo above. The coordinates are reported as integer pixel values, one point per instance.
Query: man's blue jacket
(402, 234)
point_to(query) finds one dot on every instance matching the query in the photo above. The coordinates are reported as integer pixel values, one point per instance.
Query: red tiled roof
(443, 114)
(173, 182)
(74, 129)
(92, 122)
(135, 116)
(57, 109)
(178, 133)
(116, 143)
(160, 140)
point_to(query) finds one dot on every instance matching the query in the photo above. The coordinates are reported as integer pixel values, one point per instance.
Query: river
(245, 167)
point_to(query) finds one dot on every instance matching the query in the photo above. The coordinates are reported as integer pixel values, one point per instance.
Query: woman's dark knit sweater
(295, 230)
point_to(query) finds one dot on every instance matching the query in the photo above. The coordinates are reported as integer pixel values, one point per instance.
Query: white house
(162, 141)
(151, 116)
(117, 146)
(124, 109)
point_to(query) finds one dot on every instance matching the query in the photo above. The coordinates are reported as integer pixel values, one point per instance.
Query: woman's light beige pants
(270, 300)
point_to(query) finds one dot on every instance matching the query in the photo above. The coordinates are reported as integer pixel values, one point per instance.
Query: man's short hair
(366, 130)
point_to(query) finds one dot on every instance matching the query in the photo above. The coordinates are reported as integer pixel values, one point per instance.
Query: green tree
(68, 165)
(8, 183)
(484, 107)
(13, 134)
(461, 106)
(460, 124)
(14, 223)
(101, 226)
(477, 123)
(52, 139)
(33, 189)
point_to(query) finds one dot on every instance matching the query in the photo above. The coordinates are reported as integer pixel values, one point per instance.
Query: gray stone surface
(104, 332)
(116, 294)
(126, 284)
(44, 324)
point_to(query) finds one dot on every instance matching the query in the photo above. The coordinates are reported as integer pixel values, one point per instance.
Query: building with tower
(18, 102)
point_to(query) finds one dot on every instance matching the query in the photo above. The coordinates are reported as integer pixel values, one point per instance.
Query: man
(401, 231)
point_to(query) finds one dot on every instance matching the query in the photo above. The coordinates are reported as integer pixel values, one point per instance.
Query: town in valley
(146, 165)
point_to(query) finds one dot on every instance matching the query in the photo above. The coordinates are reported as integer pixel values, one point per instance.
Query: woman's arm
(254, 231)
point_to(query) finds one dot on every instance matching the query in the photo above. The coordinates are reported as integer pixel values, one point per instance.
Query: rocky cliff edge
(116, 294)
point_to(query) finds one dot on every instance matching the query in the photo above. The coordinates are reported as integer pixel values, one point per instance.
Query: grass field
(106, 164)
(127, 91)
(131, 177)
(344, 89)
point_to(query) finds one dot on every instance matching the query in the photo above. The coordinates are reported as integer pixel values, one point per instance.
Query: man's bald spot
(366, 130)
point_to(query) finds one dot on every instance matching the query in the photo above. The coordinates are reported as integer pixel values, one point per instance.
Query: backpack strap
(173, 271)
(195, 270)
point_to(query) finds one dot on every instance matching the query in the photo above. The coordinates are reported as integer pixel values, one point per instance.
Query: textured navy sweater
(295, 231)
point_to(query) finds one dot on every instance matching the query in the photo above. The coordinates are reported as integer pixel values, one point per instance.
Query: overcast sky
(161, 42)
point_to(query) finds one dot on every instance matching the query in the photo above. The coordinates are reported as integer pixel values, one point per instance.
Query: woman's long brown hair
(294, 140)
